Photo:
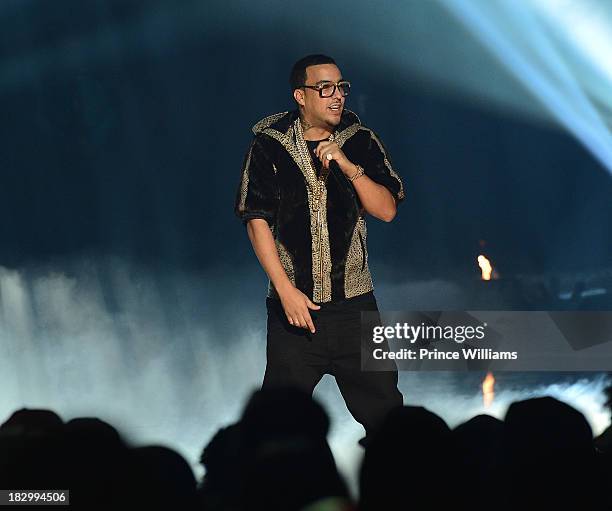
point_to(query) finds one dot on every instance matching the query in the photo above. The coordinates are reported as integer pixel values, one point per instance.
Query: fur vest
(319, 227)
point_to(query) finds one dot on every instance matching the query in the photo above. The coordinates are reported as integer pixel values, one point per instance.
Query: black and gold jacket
(319, 227)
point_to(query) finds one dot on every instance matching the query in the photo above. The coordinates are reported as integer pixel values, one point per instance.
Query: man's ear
(298, 95)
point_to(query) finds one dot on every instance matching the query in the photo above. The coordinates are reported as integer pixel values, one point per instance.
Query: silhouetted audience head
(222, 459)
(160, 479)
(278, 457)
(31, 443)
(95, 462)
(32, 422)
(410, 462)
(549, 457)
(282, 411)
(91, 430)
(478, 444)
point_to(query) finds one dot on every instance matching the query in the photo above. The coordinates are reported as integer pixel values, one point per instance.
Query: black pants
(295, 356)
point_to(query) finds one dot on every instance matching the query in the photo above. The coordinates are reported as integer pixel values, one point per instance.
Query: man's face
(317, 110)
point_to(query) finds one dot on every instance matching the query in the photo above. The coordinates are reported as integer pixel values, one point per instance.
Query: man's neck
(316, 135)
(312, 132)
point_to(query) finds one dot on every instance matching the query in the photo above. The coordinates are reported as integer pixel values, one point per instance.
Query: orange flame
(485, 267)
(488, 389)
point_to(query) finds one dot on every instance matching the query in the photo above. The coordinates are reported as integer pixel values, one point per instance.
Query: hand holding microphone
(332, 156)
(330, 153)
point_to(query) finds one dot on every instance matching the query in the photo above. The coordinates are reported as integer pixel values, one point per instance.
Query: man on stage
(309, 177)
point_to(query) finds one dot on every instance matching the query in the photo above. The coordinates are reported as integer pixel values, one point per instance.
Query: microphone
(333, 168)
(333, 165)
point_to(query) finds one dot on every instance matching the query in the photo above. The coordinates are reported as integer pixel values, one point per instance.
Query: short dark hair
(297, 78)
